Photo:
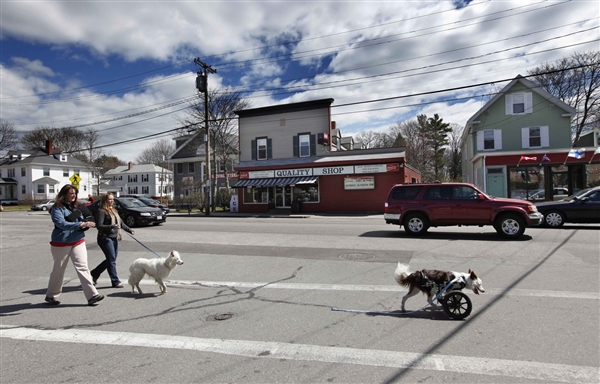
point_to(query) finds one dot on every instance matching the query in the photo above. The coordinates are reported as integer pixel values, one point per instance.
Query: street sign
(75, 179)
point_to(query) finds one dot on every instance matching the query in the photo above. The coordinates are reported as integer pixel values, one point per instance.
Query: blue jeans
(110, 247)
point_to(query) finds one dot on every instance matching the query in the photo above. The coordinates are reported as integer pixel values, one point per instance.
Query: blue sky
(95, 64)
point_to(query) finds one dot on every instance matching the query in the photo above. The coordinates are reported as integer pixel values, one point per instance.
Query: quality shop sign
(293, 172)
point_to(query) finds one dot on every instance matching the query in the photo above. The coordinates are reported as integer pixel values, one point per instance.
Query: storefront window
(306, 192)
(592, 175)
(256, 195)
(526, 183)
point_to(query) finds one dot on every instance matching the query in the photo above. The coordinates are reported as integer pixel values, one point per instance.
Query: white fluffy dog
(158, 268)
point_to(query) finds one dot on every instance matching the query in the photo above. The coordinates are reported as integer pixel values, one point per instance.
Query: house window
(535, 137)
(146, 190)
(51, 188)
(145, 178)
(23, 189)
(489, 140)
(11, 172)
(41, 188)
(179, 168)
(304, 142)
(46, 171)
(77, 171)
(519, 103)
(132, 179)
(23, 172)
(261, 149)
(191, 168)
(65, 172)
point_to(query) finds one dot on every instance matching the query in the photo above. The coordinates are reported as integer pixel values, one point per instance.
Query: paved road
(252, 303)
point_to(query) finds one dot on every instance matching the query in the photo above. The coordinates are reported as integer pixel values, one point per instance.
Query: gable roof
(137, 168)
(529, 84)
(39, 156)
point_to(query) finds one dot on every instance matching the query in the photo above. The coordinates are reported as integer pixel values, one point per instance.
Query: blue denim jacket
(65, 232)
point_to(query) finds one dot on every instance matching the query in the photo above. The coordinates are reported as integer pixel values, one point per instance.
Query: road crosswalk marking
(342, 355)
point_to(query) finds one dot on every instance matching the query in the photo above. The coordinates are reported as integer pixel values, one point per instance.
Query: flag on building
(545, 159)
(577, 153)
(528, 158)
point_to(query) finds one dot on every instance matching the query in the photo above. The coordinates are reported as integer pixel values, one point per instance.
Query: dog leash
(142, 244)
(395, 313)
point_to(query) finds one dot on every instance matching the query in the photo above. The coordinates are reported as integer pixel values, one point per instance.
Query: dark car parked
(582, 207)
(154, 203)
(134, 213)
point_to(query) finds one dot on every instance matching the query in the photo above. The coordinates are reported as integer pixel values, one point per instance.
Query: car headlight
(146, 214)
(532, 208)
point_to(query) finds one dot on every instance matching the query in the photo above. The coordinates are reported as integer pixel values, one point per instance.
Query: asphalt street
(253, 304)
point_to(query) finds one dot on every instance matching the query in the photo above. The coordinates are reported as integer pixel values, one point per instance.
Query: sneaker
(94, 299)
(120, 285)
(51, 301)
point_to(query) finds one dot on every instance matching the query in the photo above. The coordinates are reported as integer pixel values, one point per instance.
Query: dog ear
(473, 275)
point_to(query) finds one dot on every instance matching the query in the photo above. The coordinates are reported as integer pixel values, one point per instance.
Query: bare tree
(452, 155)
(576, 81)
(156, 153)
(69, 140)
(222, 104)
(418, 153)
(8, 136)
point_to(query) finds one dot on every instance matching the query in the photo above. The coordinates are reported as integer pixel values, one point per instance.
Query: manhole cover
(223, 316)
(357, 256)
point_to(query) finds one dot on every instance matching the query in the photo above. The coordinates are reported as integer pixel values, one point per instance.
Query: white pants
(61, 255)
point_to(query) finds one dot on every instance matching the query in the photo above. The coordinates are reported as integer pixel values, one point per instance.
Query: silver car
(43, 206)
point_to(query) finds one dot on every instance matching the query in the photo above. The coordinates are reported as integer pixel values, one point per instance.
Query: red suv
(420, 206)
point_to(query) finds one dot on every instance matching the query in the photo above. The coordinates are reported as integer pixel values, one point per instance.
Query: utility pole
(202, 86)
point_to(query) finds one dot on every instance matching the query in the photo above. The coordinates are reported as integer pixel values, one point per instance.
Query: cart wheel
(457, 305)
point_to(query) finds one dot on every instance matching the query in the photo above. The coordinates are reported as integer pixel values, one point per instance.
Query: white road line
(371, 288)
(273, 350)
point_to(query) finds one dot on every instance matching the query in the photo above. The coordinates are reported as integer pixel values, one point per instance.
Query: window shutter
(545, 137)
(253, 144)
(295, 145)
(497, 139)
(525, 137)
(509, 104)
(480, 141)
(269, 148)
(313, 145)
(528, 102)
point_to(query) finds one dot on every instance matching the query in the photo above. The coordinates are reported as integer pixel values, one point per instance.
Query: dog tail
(401, 273)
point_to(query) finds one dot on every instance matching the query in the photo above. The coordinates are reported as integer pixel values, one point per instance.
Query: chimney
(130, 164)
(49, 146)
(333, 125)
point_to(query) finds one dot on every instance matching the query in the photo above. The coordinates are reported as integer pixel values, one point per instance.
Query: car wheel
(415, 224)
(130, 221)
(554, 219)
(44, 208)
(510, 226)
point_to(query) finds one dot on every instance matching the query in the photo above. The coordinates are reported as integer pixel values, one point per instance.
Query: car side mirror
(480, 196)
(583, 199)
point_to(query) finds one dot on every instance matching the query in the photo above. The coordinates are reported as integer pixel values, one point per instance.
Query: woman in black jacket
(109, 227)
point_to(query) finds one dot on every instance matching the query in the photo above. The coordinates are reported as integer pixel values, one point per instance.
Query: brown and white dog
(427, 281)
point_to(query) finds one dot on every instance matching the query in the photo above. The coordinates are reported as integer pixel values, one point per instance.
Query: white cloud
(350, 51)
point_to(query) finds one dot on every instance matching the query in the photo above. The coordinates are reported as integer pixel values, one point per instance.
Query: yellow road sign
(75, 179)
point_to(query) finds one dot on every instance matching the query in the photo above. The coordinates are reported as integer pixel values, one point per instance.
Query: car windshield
(132, 203)
(577, 195)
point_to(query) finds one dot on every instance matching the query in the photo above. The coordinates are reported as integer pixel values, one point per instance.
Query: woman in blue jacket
(68, 241)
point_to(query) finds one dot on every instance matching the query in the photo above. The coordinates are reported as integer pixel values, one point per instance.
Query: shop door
(495, 185)
(283, 197)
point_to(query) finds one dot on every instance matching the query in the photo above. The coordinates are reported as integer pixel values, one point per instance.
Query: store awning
(276, 182)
